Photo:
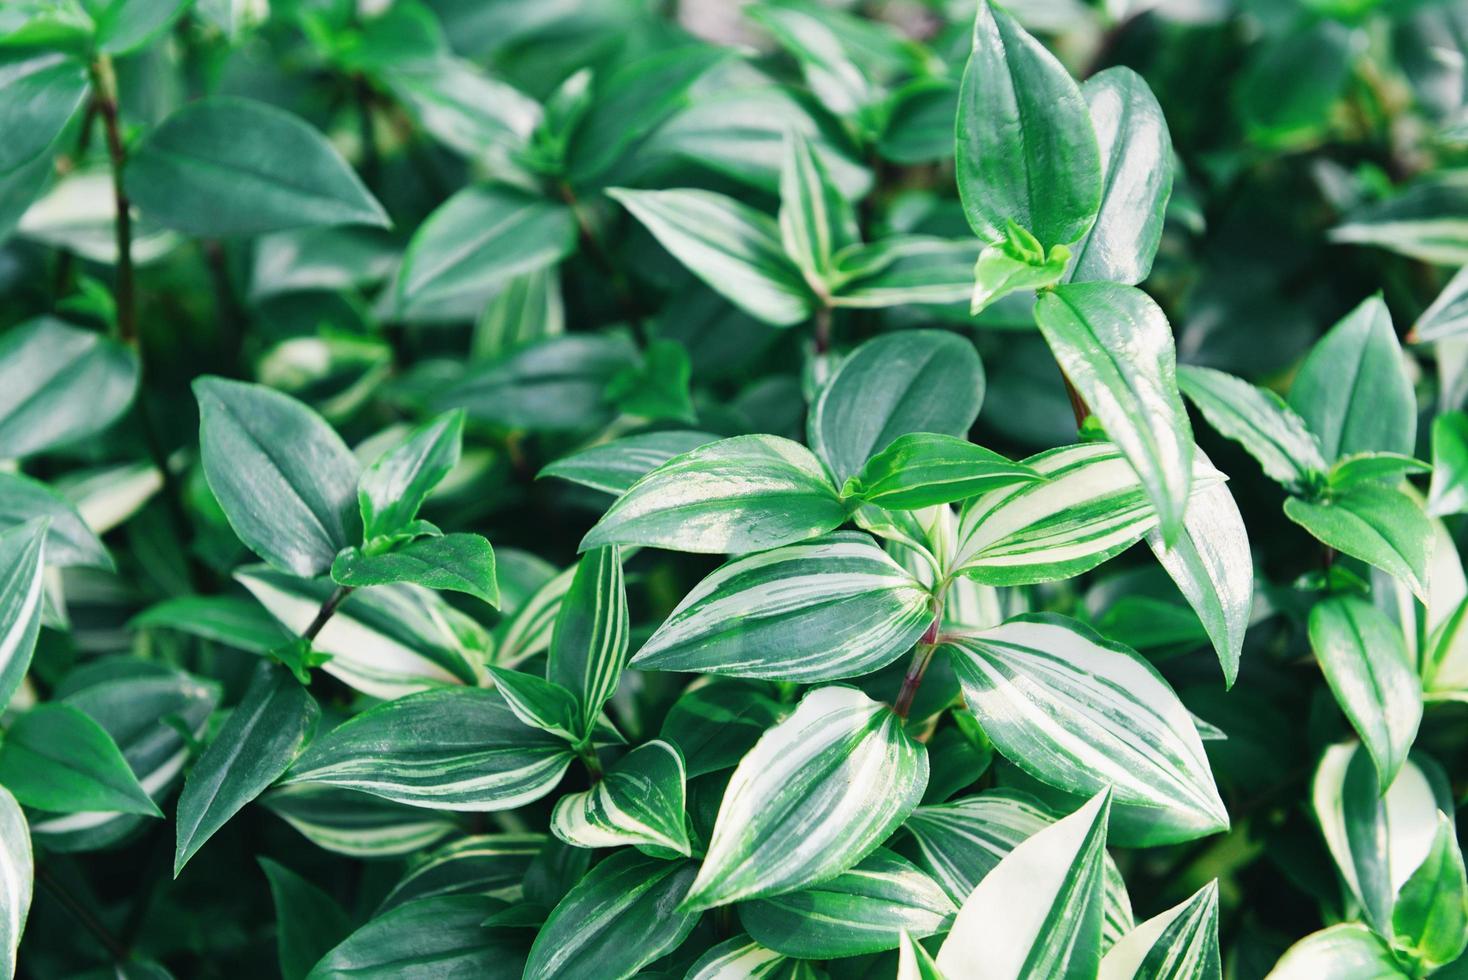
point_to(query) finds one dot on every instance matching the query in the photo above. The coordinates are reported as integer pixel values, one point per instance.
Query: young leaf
(1078, 712)
(285, 480)
(308, 922)
(1038, 913)
(1365, 662)
(56, 758)
(17, 868)
(276, 717)
(451, 749)
(541, 703)
(1381, 526)
(1387, 468)
(1015, 264)
(729, 245)
(623, 915)
(432, 937)
(231, 166)
(1115, 346)
(923, 469)
(742, 494)
(903, 269)
(390, 491)
(1258, 420)
(817, 793)
(1448, 491)
(816, 220)
(588, 649)
(658, 387)
(21, 569)
(1348, 951)
(613, 467)
(1179, 944)
(1353, 391)
(1026, 151)
(914, 381)
(1431, 915)
(639, 801)
(457, 562)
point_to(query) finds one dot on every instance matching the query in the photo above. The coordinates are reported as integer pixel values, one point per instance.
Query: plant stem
(104, 81)
(823, 329)
(587, 753)
(599, 255)
(1078, 406)
(82, 914)
(922, 655)
(327, 608)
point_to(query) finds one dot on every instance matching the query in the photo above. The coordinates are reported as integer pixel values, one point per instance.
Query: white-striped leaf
(816, 219)
(1179, 944)
(862, 910)
(69, 540)
(1348, 951)
(449, 749)
(1115, 346)
(386, 640)
(589, 645)
(624, 914)
(834, 607)
(716, 721)
(917, 269)
(1078, 712)
(1038, 913)
(1447, 316)
(21, 571)
(748, 493)
(916, 963)
(16, 870)
(741, 958)
(639, 801)
(493, 865)
(924, 469)
(429, 938)
(1260, 421)
(528, 308)
(540, 703)
(528, 631)
(355, 824)
(1361, 653)
(817, 793)
(614, 466)
(1425, 220)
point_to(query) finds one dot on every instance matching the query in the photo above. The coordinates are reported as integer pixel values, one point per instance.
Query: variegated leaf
(916, 963)
(22, 566)
(741, 958)
(924, 469)
(540, 703)
(613, 467)
(489, 864)
(1179, 944)
(906, 269)
(589, 644)
(834, 607)
(528, 631)
(816, 219)
(356, 824)
(639, 801)
(1348, 951)
(1260, 421)
(16, 870)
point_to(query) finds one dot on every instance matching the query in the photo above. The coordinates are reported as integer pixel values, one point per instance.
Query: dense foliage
(595, 488)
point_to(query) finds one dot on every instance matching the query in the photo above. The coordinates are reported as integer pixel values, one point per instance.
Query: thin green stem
(325, 612)
(587, 753)
(104, 83)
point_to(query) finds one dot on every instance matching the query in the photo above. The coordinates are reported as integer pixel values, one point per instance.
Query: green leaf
(729, 245)
(308, 921)
(865, 909)
(748, 493)
(1387, 468)
(837, 52)
(1431, 915)
(422, 940)
(1136, 179)
(40, 91)
(391, 490)
(17, 867)
(1364, 660)
(1114, 344)
(658, 387)
(834, 607)
(613, 467)
(1381, 526)
(1038, 913)
(528, 308)
(923, 469)
(816, 220)
(746, 959)
(1353, 391)
(276, 717)
(817, 793)
(714, 724)
(1026, 151)
(462, 106)
(488, 864)
(913, 381)
(59, 385)
(620, 917)
(285, 480)
(1179, 944)
(475, 243)
(457, 562)
(22, 567)
(1448, 492)
(305, 260)
(903, 269)
(916, 963)
(588, 649)
(231, 166)
(358, 825)
(1447, 316)
(56, 758)
(1015, 264)
(452, 749)
(1285, 94)
(1260, 421)
(639, 801)
(1349, 951)
(529, 631)
(126, 25)
(1078, 712)
(541, 703)
(69, 541)
(1423, 221)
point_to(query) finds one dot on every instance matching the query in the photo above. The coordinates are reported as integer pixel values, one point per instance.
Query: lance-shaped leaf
(1260, 421)
(1038, 914)
(452, 749)
(1364, 660)
(916, 963)
(1115, 346)
(59, 384)
(69, 541)
(1136, 180)
(456, 562)
(1179, 944)
(923, 469)
(1377, 524)
(21, 597)
(817, 793)
(17, 869)
(40, 91)
(903, 269)
(1431, 915)
(1078, 712)
(276, 717)
(528, 308)
(748, 493)
(230, 166)
(613, 467)
(285, 480)
(56, 758)
(863, 910)
(390, 491)
(816, 220)
(639, 801)
(432, 937)
(835, 607)
(238, 623)
(623, 915)
(714, 724)
(1447, 316)
(489, 864)
(1424, 220)
(1353, 391)
(345, 822)
(589, 645)
(308, 921)
(1349, 951)
(1387, 468)
(729, 245)
(1026, 151)
(541, 703)
(528, 632)
(745, 959)
(1448, 491)
(912, 381)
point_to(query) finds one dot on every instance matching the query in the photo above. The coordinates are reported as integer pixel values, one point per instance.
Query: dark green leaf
(391, 490)
(458, 562)
(1448, 492)
(22, 565)
(39, 93)
(614, 466)
(56, 758)
(1376, 524)
(428, 939)
(308, 922)
(589, 646)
